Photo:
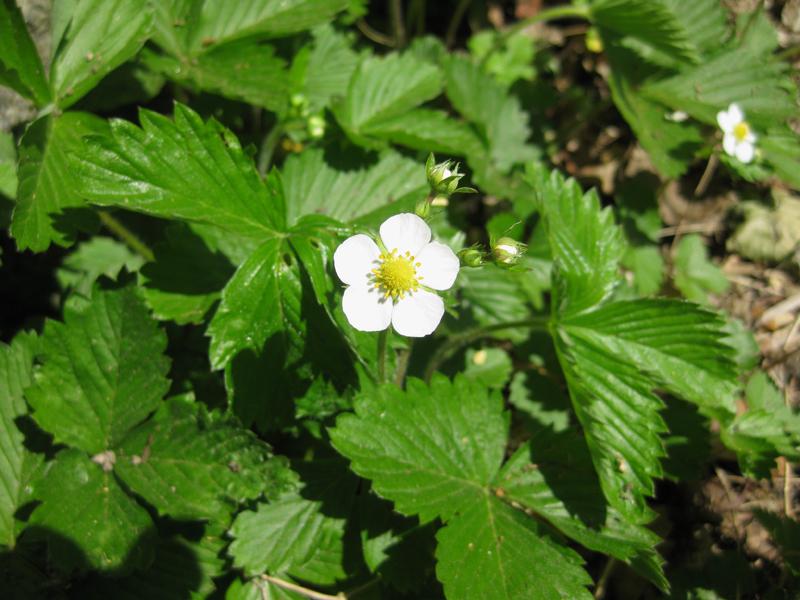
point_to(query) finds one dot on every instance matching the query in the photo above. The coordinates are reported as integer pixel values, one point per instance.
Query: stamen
(396, 275)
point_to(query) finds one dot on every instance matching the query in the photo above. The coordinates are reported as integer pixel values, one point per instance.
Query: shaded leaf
(20, 66)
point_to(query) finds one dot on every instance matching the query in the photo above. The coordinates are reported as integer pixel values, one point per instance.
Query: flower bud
(471, 257)
(316, 127)
(507, 251)
(443, 177)
(423, 208)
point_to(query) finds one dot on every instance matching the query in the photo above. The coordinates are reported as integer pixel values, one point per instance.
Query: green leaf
(8, 168)
(186, 278)
(220, 21)
(89, 521)
(289, 534)
(98, 257)
(492, 551)
(246, 70)
(18, 465)
(754, 81)
(382, 88)
(323, 72)
(431, 450)
(103, 371)
(192, 464)
(695, 275)
(781, 149)
(262, 299)
(649, 22)
(312, 186)
(182, 169)
(705, 23)
(553, 476)
(647, 266)
(497, 114)
(101, 35)
(490, 367)
(20, 66)
(47, 184)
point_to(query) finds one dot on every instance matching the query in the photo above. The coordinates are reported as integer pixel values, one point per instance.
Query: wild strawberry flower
(738, 139)
(393, 281)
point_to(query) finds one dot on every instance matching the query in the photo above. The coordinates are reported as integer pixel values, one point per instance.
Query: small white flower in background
(393, 285)
(738, 140)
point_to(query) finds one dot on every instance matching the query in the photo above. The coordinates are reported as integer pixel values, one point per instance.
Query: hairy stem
(268, 148)
(398, 23)
(293, 587)
(383, 339)
(403, 356)
(126, 235)
(455, 343)
(455, 22)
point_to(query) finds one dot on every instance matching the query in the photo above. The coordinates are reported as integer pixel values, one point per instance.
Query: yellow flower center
(741, 131)
(396, 275)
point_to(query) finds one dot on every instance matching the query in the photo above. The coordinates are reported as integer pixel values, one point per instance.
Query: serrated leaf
(103, 371)
(781, 149)
(192, 464)
(695, 275)
(20, 66)
(385, 87)
(220, 21)
(47, 184)
(102, 34)
(245, 70)
(89, 521)
(553, 476)
(262, 299)
(490, 367)
(647, 266)
(431, 450)
(705, 23)
(186, 277)
(649, 22)
(492, 551)
(17, 464)
(324, 74)
(8, 169)
(754, 81)
(182, 169)
(95, 258)
(497, 113)
(312, 186)
(301, 533)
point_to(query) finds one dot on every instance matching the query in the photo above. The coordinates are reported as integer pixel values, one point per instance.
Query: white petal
(439, 266)
(405, 232)
(366, 309)
(735, 113)
(355, 258)
(417, 315)
(745, 152)
(729, 144)
(725, 122)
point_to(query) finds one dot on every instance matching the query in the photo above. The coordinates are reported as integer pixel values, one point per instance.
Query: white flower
(739, 140)
(393, 283)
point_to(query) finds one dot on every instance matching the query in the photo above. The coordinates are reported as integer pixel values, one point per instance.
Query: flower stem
(549, 14)
(298, 589)
(398, 23)
(451, 346)
(268, 148)
(403, 356)
(455, 22)
(126, 235)
(383, 339)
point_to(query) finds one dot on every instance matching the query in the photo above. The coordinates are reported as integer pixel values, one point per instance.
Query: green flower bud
(472, 256)
(443, 177)
(423, 208)
(507, 251)
(316, 127)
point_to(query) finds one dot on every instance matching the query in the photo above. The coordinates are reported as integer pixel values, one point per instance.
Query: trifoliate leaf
(553, 476)
(615, 354)
(20, 66)
(262, 299)
(492, 551)
(88, 519)
(220, 22)
(186, 278)
(431, 450)
(695, 275)
(382, 88)
(246, 70)
(98, 257)
(192, 464)
(181, 569)
(47, 184)
(497, 114)
(103, 371)
(182, 169)
(102, 34)
(17, 464)
(650, 27)
(755, 82)
(299, 528)
(312, 186)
